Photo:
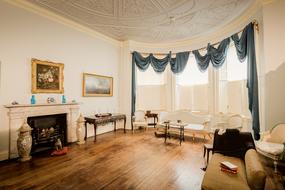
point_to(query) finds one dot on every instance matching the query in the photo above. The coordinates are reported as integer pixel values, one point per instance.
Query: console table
(103, 120)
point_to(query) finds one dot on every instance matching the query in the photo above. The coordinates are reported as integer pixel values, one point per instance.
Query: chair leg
(275, 166)
(208, 156)
(209, 136)
(204, 152)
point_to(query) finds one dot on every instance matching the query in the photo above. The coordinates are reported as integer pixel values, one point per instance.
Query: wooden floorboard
(117, 161)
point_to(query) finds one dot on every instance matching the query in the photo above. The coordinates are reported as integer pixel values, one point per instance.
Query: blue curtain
(245, 47)
(217, 56)
(177, 65)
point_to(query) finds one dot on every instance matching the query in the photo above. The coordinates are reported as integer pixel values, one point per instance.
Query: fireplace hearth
(46, 130)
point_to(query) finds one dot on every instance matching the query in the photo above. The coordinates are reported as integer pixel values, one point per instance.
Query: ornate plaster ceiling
(148, 20)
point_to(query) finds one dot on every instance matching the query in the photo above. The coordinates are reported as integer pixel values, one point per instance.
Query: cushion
(254, 171)
(194, 127)
(270, 148)
(216, 179)
(139, 123)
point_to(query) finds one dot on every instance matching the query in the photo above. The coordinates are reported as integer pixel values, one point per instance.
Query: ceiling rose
(148, 20)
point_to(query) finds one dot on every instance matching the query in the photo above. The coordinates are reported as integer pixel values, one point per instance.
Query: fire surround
(18, 114)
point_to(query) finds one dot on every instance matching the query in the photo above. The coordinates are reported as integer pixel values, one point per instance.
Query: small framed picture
(97, 85)
(47, 77)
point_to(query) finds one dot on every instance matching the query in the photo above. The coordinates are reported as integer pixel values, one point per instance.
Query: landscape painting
(97, 85)
(47, 77)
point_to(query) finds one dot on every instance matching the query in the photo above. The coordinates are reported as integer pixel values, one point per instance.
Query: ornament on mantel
(15, 103)
(51, 100)
(80, 130)
(24, 142)
(63, 99)
(33, 99)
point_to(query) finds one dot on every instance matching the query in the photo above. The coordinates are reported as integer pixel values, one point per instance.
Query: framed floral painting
(47, 77)
(97, 85)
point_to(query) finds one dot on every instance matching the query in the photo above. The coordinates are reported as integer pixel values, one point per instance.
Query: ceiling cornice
(234, 26)
(54, 17)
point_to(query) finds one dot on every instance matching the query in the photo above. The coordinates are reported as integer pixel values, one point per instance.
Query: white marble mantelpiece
(18, 114)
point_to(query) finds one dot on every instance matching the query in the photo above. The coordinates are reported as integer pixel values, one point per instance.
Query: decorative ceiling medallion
(148, 20)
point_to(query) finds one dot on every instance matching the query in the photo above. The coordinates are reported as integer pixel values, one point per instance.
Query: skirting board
(4, 155)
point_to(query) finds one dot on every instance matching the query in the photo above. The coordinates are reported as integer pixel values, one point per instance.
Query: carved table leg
(125, 120)
(95, 131)
(85, 130)
(165, 135)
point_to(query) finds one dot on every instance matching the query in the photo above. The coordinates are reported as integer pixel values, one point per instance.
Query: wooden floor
(115, 161)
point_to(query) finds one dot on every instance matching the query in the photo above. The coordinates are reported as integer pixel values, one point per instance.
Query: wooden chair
(139, 120)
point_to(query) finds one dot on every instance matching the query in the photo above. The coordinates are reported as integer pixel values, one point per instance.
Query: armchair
(235, 122)
(139, 120)
(272, 143)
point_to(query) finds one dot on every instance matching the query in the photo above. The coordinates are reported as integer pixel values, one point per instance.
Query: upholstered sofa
(197, 123)
(239, 149)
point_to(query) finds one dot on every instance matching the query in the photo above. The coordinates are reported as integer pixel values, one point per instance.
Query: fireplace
(46, 130)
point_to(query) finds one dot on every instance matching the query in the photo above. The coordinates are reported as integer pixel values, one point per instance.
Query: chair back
(277, 134)
(139, 115)
(235, 122)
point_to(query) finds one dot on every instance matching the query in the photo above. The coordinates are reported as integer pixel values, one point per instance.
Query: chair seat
(140, 123)
(270, 148)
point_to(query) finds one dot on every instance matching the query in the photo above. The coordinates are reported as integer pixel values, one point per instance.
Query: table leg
(208, 155)
(125, 119)
(180, 137)
(95, 132)
(115, 123)
(85, 124)
(154, 122)
(165, 134)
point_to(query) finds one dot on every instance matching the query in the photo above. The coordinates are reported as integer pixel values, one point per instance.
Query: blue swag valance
(245, 48)
(217, 56)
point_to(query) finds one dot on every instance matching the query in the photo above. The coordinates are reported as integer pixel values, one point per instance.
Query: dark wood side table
(103, 120)
(154, 116)
(208, 148)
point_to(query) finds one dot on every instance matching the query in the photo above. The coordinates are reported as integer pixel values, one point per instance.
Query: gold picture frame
(97, 85)
(47, 77)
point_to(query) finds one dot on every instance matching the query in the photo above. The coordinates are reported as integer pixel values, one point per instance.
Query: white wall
(25, 35)
(274, 55)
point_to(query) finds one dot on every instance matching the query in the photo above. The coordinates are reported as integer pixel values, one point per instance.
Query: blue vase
(33, 99)
(63, 99)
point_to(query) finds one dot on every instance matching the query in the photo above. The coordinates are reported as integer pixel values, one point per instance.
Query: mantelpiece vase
(24, 142)
(80, 130)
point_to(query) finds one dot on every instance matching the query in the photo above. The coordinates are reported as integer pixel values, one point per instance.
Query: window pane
(150, 77)
(235, 69)
(191, 74)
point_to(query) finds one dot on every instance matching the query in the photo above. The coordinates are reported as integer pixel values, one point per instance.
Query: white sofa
(197, 123)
